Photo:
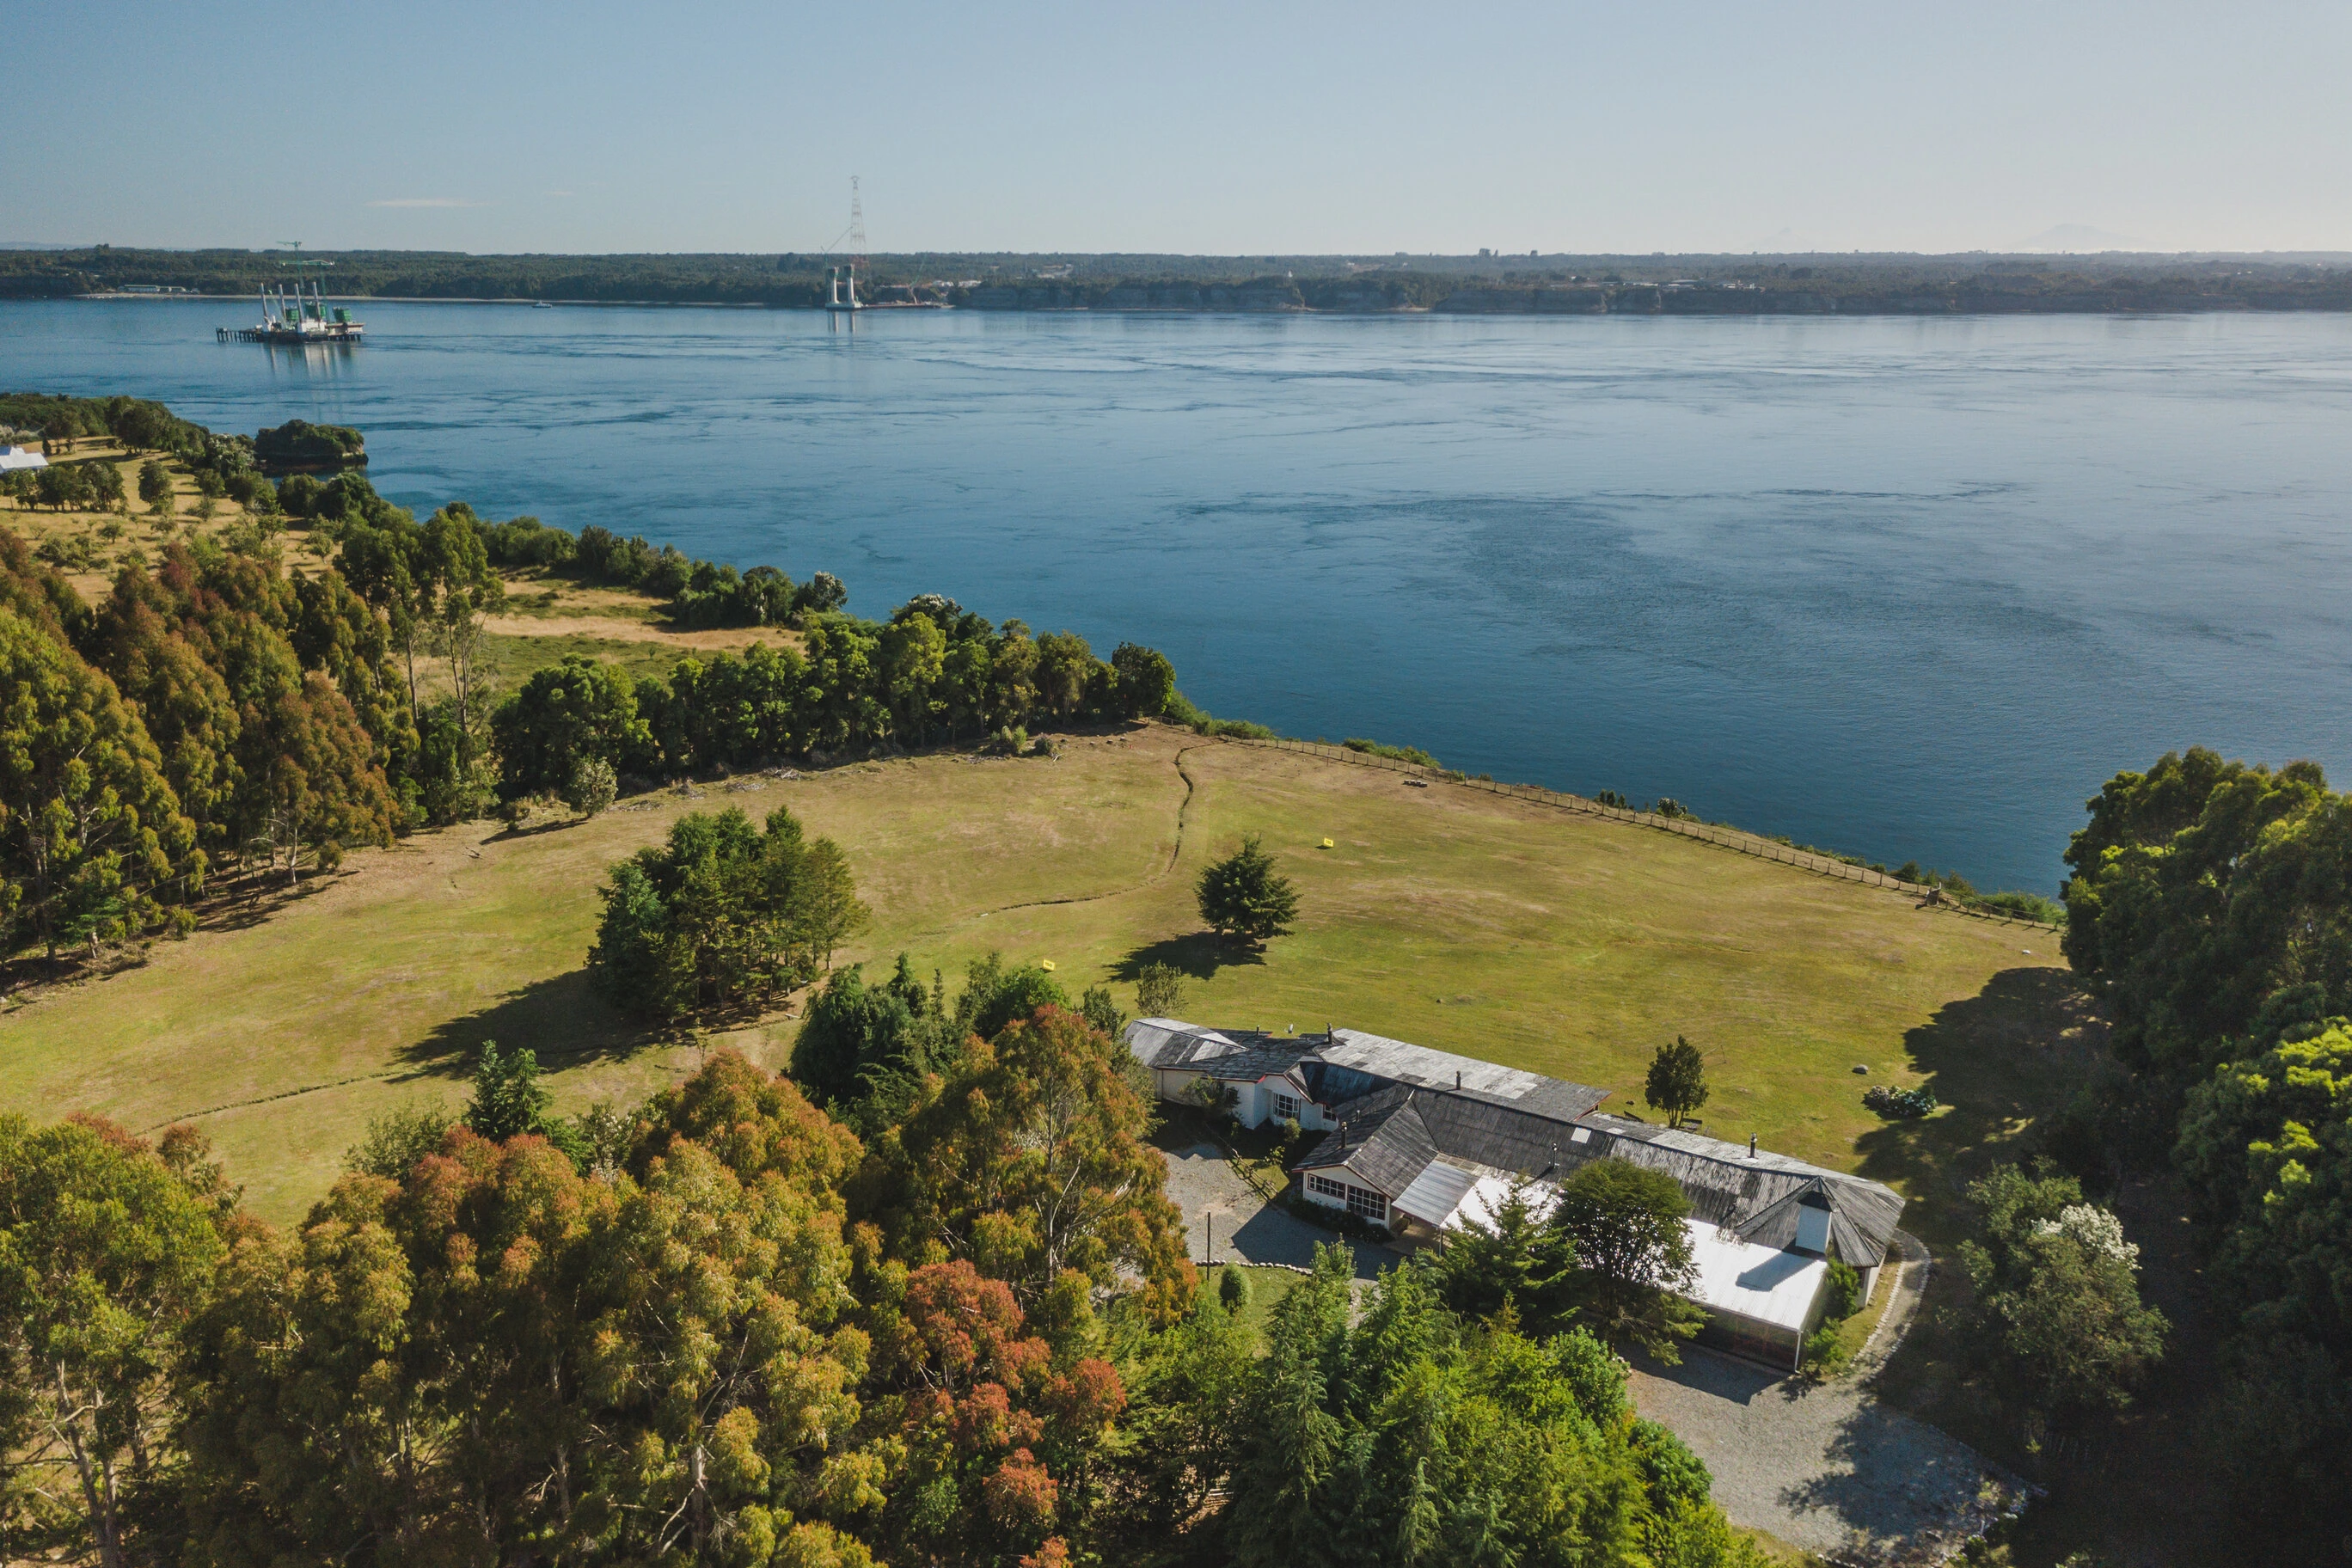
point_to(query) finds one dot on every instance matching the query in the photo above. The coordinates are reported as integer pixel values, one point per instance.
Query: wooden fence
(1731, 838)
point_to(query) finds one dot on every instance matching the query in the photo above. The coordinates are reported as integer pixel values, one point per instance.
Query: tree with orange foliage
(995, 1428)
(1029, 1159)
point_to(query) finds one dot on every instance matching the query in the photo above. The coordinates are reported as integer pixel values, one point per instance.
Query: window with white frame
(1360, 1201)
(1285, 1106)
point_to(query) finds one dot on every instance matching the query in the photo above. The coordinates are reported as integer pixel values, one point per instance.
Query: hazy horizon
(1225, 130)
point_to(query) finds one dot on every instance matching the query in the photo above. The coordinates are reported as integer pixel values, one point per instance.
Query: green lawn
(1448, 916)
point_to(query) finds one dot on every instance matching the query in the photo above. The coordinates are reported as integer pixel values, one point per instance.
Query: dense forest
(1485, 284)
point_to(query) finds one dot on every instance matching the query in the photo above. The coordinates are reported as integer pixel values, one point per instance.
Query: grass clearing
(1447, 916)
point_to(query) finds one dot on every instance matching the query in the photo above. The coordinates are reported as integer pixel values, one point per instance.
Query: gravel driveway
(1223, 1210)
(1828, 1467)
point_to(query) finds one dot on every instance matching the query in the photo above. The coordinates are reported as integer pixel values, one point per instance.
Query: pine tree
(1242, 897)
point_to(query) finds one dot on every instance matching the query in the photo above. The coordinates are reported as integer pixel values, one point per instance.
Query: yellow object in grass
(1046, 964)
(1326, 844)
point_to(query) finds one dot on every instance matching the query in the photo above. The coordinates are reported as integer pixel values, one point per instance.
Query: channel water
(1910, 588)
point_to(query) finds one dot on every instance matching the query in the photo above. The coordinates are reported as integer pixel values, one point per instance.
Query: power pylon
(856, 226)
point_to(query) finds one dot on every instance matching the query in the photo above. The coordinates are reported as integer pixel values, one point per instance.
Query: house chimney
(1751, 1145)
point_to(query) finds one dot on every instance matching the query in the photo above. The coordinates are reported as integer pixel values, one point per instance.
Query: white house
(1422, 1141)
(20, 458)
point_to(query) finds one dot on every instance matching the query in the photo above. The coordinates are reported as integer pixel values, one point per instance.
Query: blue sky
(1213, 128)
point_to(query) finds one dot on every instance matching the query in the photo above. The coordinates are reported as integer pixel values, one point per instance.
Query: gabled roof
(1380, 1138)
(1863, 1216)
(1392, 1141)
(1244, 1056)
(1755, 1194)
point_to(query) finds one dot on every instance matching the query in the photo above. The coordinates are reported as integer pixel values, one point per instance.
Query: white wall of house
(1336, 1189)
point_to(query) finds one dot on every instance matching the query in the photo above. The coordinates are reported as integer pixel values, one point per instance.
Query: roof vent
(1751, 1145)
(1457, 1077)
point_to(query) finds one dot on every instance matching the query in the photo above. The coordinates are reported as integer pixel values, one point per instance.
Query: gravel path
(1828, 1467)
(1222, 1210)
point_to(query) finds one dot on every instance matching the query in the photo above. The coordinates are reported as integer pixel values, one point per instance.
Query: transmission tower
(856, 227)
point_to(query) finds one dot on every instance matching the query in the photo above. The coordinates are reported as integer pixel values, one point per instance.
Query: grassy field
(1446, 915)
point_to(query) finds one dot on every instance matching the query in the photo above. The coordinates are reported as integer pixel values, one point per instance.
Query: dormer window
(1813, 1222)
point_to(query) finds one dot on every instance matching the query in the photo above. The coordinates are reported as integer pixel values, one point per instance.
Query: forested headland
(1484, 284)
(215, 707)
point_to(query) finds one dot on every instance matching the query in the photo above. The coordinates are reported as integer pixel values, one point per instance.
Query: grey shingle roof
(1389, 1140)
(1401, 1106)
(1241, 1055)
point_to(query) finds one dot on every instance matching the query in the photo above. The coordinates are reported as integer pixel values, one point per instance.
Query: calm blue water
(1906, 587)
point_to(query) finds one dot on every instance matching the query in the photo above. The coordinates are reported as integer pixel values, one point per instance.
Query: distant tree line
(1689, 284)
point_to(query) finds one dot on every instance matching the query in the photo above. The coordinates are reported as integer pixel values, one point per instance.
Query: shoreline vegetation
(392, 724)
(1707, 285)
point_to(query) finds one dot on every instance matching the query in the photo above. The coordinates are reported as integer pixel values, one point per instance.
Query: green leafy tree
(1064, 665)
(1101, 1011)
(108, 1248)
(397, 1139)
(1147, 681)
(91, 839)
(1517, 1258)
(1634, 1256)
(1407, 1438)
(855, 1036)
(1677, 1080)
(914, 659)
(564, 715)
(1015, 994)
(592, 787)
(2207, 910)
(496, 1358)
(2057, 1317)
(1028, 1156)
(1242, 897)
(721, 914)
(1159, 990)
(509, 1099)
(102, 487)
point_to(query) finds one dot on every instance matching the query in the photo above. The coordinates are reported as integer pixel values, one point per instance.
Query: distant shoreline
(1829, 306)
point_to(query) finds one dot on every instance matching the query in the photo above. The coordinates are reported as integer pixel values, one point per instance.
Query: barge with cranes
(299, 318)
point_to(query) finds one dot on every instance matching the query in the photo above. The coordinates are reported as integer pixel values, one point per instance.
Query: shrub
(1233, 1289)
(592, 787)
(1900, 1104)
(396, 1140)
(1394, 754)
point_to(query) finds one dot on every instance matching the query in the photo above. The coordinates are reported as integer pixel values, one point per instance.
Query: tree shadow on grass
(1200, 956)
(1998, 1062)
(562, 1019)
